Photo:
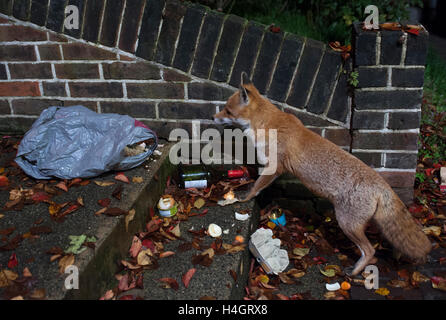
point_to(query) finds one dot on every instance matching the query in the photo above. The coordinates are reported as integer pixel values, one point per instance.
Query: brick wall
(387, 102)
(167, 63)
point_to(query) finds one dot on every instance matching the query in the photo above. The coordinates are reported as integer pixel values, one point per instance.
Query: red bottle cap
(235, 173)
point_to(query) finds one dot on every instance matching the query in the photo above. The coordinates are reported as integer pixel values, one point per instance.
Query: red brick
(21, 33)
(96, 90)
(80, 51)
(49, 52)
(19, 89)
(341, 137)
(57, 37)
(399, 179)
(17, 53)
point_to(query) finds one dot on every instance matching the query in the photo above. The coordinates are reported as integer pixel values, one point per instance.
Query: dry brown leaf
(176, 231)
(27, 273)
(137, 179)
(129, 217)
(65, 262)
(166, 254)
(38, 294)
(6, 276)
(98, 213)
(144, 257)
(104, 183)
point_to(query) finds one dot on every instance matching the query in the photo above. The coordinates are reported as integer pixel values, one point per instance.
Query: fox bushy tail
(399, 228)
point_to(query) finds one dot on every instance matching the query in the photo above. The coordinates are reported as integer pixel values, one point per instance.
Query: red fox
(359, 194)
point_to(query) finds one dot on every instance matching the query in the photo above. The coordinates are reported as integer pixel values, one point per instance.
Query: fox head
(241, 105)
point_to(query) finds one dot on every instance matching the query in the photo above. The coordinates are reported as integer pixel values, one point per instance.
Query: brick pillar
(387, 103)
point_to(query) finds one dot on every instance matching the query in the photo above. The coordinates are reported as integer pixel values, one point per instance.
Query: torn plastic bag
(76, 142)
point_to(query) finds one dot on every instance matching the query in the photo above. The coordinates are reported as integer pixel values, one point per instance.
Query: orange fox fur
(358, 193)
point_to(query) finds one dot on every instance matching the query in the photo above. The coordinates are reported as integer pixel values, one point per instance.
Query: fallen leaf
(136, 247)
(199, 203)
(188, 276)
(144, 257)
(114, 212)
(104, 202)
(328, 273)
(137, 179)
(432, 230)
(6, 276)
(169, 283)
(176, 231)
(301, 252)
(13, 262)
(108, 295)
(382, 291)
(4, 181)
(128, 218)
(17, 298)
(233, 275)
(122, 177)
(80, 200)
(117, 192)
(104, 183)
(27, 273)
(99, 212)
(166, 254)
(65, 262)
(62, 186)
(37, 294)
(417, 277)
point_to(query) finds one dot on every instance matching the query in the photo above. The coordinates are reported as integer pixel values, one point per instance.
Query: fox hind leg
(356, 234)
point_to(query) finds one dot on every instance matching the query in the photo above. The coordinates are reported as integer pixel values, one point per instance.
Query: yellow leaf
(301, 251)
(176, 231)
(432, 230)
(382, 291)
(199, 203)
(65, 262)
(104, 183)
(1, 216)
(143, 258)
(271, 225)
(137, 179)
(328, 273)
(2, 170)
(129, 217)
(263, 278)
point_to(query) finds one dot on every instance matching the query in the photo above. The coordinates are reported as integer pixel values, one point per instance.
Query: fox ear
(244, 79)
(244, 98)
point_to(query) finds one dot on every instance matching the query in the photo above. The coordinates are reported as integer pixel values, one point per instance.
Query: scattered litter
(239, 239)
(242, 217)
(167, 206)
(267, 251)
(226, 231)
(278, 217)
(214, 230)
(333, 287)
(157, 153)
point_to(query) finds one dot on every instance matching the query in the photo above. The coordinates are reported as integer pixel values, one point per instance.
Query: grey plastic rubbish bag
(76, 142)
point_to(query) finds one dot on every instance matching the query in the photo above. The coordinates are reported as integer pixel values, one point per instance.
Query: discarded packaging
(167, 206)
(267, 251)
(214, 230)
(76, 142)
(333, 287)
(241, 217)
(443, 179)
(278, 217)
